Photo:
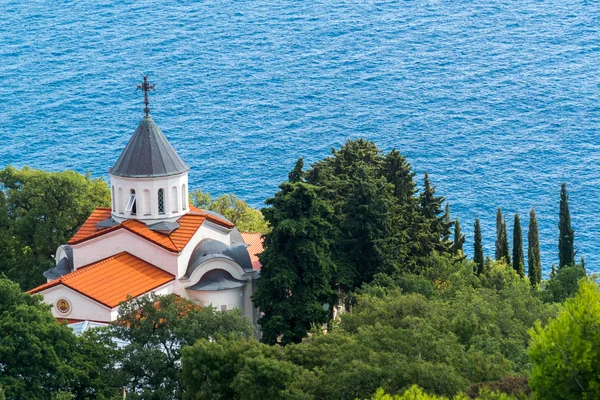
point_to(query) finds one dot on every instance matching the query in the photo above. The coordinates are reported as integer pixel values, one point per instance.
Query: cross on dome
(146, 87)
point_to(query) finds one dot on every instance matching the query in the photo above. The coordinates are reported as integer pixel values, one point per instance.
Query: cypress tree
(502, 248)
(478, 248)
(566, 253)
(534, 263)
(518, 259)
(430, 207)
(499, 219)
(459, 239)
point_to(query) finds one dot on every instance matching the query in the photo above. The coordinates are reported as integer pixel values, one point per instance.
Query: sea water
(497, 100)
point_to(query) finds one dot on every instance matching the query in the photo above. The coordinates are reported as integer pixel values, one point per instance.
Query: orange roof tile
(111, 280)
(174, 242)
(89, 230)
(255, 242)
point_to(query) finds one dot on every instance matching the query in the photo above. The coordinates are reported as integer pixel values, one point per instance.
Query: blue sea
(499, 101)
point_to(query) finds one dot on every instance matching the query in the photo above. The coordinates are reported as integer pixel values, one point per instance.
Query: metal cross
(146, 87)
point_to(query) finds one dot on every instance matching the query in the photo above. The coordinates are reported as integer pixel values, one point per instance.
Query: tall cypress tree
(518, 259)
(478, 248)
(499, 219)
(534, 263)
(566, 239)
(459, 239)
(502, 248)
(436, 223)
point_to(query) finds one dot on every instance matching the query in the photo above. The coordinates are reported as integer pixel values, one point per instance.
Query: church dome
(148, 154)
(208, 249)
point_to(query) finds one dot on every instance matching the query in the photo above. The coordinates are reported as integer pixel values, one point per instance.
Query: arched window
(114, 200)
(120, 200)
(174, 200)
(184, 198)
(147, 203)
(131, 203)
(161, 201)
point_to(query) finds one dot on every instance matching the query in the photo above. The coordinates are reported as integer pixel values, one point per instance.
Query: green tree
(502, 249)
(478, 248)
(42, 210)
(438, 222)
(563, 283)
(565, 353)
(35, 351)
(534, 263)
(566, 238)
(518, 259)
(297, 267)
(459, 239)
(156, 327)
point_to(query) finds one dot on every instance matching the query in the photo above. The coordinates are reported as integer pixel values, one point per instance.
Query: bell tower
(149, 181)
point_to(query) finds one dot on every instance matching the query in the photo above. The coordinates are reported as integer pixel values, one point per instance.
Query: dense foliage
(155, 328)
(39, 211)
(403, 330)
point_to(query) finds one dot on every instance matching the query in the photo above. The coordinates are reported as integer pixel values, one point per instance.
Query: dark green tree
(566, 238)
(502, 249)
(297, 267)
(42, 210)
(459, 239)
(156, 328)
(534, 264)
(518, 259)
(478, 248)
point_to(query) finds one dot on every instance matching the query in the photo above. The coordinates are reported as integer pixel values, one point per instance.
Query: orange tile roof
(255, 242)
(111, 280)
(89, 230)
(174, 242)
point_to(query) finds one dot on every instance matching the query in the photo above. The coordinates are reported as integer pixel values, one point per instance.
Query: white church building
(151, 240)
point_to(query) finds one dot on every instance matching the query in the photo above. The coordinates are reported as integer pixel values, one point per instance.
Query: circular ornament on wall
(63, 306)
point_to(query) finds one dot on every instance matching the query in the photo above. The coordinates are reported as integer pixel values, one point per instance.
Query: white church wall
(220, 299)
(173, 205)
(81, 307)
(112, 243)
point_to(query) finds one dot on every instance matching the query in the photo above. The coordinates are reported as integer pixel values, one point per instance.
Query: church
(151, 240)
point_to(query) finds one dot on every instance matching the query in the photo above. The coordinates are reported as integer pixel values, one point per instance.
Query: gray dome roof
(148, 154)
(208, 249)
(217, 279)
